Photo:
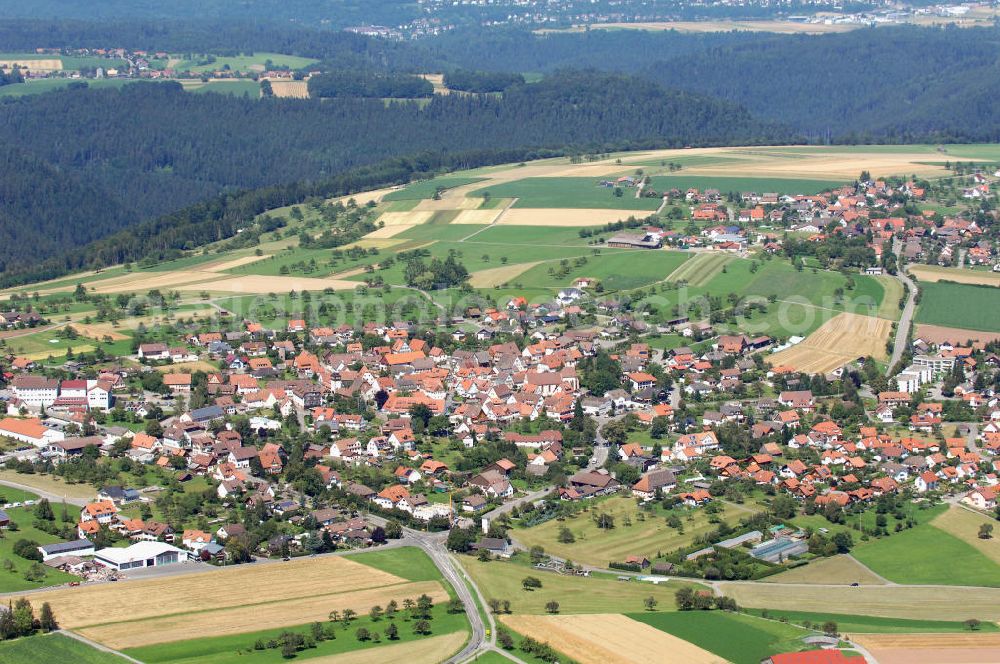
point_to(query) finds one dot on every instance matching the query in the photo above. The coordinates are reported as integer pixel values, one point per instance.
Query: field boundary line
(495, 221)
(97, 646)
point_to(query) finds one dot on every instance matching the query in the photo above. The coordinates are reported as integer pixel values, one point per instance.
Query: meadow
(959, 305)
(725, 185)
(567, 192)
(596, 594)
(874, 624)
(739, 638)
(53, 648)
(243, 63)
(596, 546)
(12, 580)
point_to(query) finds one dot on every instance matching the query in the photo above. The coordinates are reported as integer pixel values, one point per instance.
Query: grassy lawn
(598, 594)
(960, 305)
(928, 555)
(567, 192)
(239, 648)
(874, 624)
(596, 546)
(13, 580)
(53, 648)
(407, 562)
(740, 639)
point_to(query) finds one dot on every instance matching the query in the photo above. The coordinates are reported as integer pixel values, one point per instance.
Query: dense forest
(150, 149)
(378, 85)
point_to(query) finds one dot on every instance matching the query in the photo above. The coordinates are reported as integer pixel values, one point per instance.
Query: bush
(27, 549)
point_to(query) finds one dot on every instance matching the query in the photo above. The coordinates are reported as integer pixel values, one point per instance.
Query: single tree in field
(830, 628)
(392, 632)
(972, 624)
(46, 619)
(363, 634)
(650, 603)
(531, 583)
(552, 607)
(986, 531)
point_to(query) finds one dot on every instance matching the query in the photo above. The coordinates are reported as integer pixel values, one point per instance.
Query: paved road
(906, 318)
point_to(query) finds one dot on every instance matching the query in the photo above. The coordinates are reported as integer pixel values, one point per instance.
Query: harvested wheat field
(188, 367)
(447, 203)
(423, 651)
(222, 266)
(145, 281)
(31, 64)
(958, 275)
(218, 589)
(842, 569)
(483, 217)
(293, 89)
(387, 232)
(265, 284)
(364, 197)
(309, 606)
(838, 341)
(498, 276)
(565, 217)
(939, 334)
(99, 331)
(917, 602)
(970, 648)
(411, 218)
(609, 639)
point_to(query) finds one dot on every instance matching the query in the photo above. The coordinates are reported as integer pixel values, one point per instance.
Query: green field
(239, 648)
(701, 269)
(598, 547)
(600, 593)
(40, 85)
(47, 648)
(740, 184)
(926, 554)
(616, 269)
(738, 638)
(407, 562)
(964, 306)
(568, 192)
(244, 63)
(13, 580)
(424, 189)
(875, 624)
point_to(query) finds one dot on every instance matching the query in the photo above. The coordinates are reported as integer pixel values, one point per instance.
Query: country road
(906, 318)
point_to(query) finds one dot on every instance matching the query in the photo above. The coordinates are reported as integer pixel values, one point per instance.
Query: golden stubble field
(610, 639)
(838, 341)
(968, 648)
(228, 601)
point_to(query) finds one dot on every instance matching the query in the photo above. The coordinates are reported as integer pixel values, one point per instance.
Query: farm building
(141, 554)
(80, 547)
(635, 241)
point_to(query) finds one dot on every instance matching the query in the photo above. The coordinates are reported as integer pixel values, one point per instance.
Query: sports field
(840, 340)
(960, 305)
(610, 639)
(598, 546)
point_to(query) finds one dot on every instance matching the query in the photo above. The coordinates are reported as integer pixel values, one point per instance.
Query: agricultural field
(856, 624)
(53, 648)
(968, 648)
(959, 305)
(725, 185)
(595, 594)
(840, 569)
(701, 269)
(567, 192)
(915, 602)
(609, 639)
(201, 605)
(49, 483)
(964, 524)
(935, 273)
(596, 546)
(840, 340)
(940, 333)
(258, 62)
(739, 638)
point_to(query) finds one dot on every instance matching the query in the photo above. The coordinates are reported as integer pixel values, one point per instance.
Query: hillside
(151, 149)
